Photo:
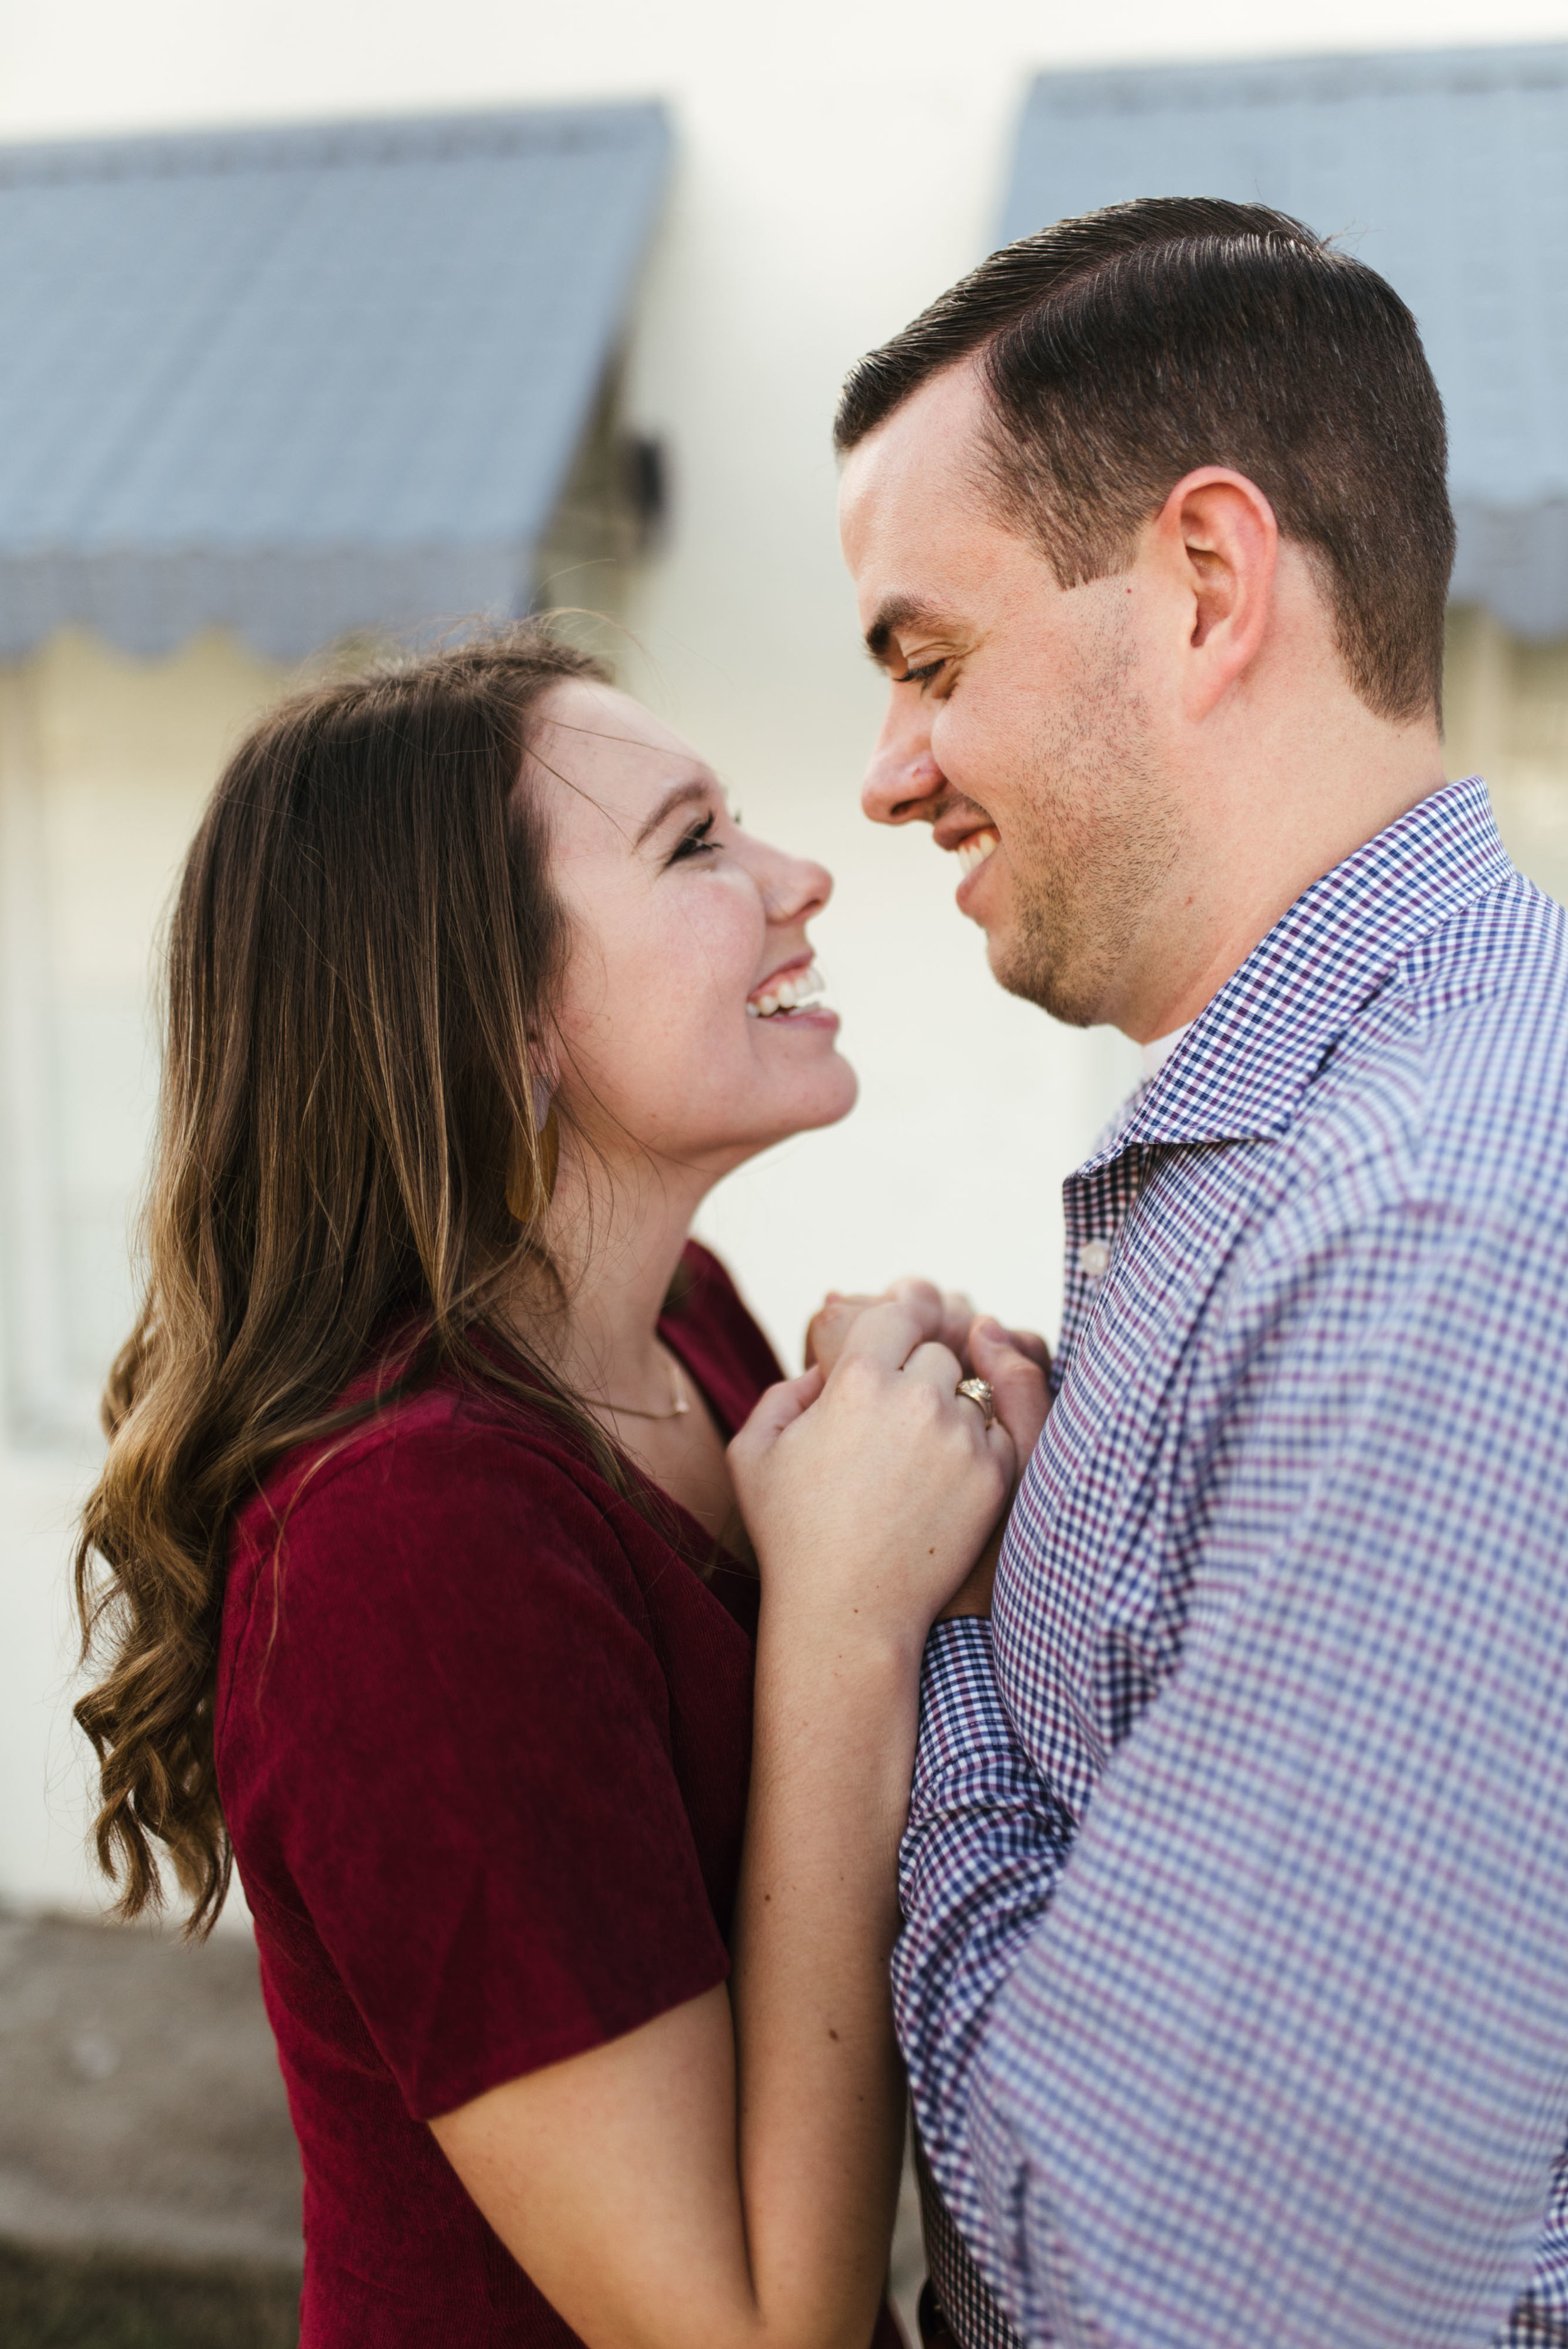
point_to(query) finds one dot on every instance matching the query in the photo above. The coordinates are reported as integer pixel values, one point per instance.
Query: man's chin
(1017, 964)
(1024, 967)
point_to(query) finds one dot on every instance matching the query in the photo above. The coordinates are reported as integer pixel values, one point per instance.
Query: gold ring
(980, 1391)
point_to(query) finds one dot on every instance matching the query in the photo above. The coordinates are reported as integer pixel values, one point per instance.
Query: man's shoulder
(1454, 1082)
(1498, 958)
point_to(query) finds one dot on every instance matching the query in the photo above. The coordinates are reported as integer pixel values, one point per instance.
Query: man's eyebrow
(696, 787)
(898, 611)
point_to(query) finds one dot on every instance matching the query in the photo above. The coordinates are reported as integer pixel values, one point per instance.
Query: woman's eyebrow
(679, 795)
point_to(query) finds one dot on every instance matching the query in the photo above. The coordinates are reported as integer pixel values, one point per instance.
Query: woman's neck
(615, 1237)
(615, 1243)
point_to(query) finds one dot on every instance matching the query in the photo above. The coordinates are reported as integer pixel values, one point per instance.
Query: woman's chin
(832, 1116)
(822, 1097)
(826, 1101)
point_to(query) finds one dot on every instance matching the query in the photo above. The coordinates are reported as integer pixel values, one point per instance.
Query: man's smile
(973, 852)
(965, 830)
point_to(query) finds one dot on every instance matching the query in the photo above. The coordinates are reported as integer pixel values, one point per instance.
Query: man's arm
(980, 1859)
(1287, 2055)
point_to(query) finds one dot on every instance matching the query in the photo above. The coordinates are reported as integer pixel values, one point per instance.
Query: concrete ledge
(56, 2301)
(149, 2186)
(149, 2183)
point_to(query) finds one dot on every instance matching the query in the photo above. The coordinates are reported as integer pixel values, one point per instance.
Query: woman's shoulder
(449, 1453)
(448, 1543)
(719, 1340)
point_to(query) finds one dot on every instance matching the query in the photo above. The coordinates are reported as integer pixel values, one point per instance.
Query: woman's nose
(903, 781)
(795, 889)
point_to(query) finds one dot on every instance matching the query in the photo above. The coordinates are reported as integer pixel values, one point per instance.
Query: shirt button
(1094, 1259)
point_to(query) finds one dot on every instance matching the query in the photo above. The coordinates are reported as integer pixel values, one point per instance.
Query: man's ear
(1218, 542)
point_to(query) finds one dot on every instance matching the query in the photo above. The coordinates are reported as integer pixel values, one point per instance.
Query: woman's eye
(696, 843)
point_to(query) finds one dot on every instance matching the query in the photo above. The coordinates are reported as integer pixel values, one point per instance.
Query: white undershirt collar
(1156, 1054)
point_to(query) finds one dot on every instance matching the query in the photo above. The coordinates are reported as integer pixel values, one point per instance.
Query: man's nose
(904, 782)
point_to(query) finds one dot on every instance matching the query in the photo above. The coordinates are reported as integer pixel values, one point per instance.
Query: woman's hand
(1016, 1362)
(870, 1493)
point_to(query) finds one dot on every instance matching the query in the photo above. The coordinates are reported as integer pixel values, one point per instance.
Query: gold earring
(531, 1185)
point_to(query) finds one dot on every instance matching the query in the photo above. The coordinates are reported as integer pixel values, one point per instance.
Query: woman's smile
(788, 997)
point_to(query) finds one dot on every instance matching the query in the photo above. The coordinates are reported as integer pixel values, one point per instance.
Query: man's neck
(1247, 863)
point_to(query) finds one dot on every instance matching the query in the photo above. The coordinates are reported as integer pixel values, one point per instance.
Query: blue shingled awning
(1446, 171)
(303, 381)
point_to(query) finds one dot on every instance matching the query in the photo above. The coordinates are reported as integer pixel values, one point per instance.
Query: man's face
(1020, 720)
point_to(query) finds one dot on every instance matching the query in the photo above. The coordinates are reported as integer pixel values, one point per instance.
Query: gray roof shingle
(1448, 171)
(307, 379)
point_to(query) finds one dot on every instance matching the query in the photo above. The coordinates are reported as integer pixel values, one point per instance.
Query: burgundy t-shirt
(482, 1741)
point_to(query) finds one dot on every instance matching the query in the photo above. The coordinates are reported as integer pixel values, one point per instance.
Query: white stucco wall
(840, 162)
(104, 765)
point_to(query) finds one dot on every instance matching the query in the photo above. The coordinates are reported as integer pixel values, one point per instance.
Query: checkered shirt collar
(1249, 1056)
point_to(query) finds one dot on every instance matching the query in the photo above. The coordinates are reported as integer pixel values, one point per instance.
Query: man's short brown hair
(1122, 350)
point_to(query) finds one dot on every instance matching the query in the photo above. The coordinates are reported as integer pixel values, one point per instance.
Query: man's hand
(830, 1325)
(1016, 1362)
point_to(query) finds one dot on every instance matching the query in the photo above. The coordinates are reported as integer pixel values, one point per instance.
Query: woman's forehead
(603, 745)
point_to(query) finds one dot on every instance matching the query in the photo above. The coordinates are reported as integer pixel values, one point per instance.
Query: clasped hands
(875, 1494)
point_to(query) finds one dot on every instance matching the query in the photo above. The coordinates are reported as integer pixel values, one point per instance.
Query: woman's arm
(854, 1570)
(658, 2202)
(611, 2178)
(664, 2191)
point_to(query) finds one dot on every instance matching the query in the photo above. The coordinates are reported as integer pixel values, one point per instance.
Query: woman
(428, 1598)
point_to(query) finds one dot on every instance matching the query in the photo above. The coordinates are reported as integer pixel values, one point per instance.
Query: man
(1233, 1985)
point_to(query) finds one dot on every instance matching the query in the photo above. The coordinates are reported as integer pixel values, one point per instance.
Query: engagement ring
(979, 1391)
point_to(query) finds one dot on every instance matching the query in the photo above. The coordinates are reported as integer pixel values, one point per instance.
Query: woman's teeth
(786, 994)
(973, 852)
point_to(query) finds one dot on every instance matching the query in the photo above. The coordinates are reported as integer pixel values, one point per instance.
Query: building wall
(1506, 718)
(837, 166)
(104, 766)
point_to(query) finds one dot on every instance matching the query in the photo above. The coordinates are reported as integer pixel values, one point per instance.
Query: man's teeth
(786, 994)
(973, 851)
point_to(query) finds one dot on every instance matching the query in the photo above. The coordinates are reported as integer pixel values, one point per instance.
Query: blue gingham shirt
(1233, 1983)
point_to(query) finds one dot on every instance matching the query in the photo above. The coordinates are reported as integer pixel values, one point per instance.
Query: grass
(55, 2301)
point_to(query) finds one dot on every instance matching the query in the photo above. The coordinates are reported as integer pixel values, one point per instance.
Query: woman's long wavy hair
(364, 940)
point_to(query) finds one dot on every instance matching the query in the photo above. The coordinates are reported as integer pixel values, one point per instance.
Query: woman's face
(688, 947)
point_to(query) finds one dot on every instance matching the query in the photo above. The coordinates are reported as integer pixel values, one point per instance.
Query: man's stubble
(1092, 843)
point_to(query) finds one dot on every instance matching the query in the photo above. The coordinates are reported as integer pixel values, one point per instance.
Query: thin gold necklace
(630, 1410)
